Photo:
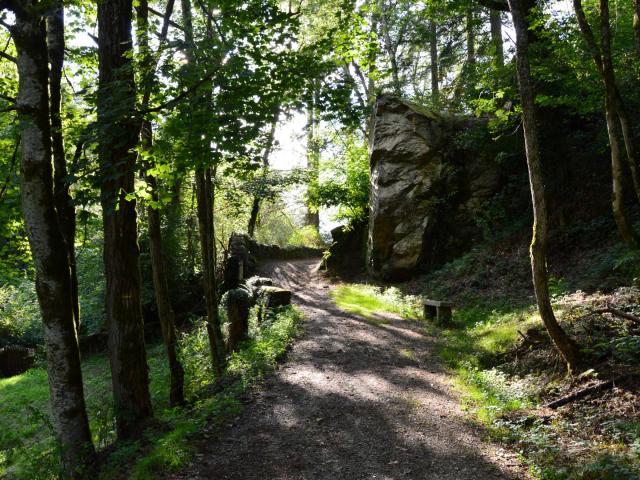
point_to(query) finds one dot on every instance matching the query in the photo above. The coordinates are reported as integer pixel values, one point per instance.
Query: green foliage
(27, 448)
(307, 236)
(344, 181)
(20, 321)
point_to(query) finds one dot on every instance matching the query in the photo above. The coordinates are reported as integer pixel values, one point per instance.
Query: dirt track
(354, 400)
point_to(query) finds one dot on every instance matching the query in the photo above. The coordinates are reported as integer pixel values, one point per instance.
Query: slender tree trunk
(204, 201)
(173, 216)
(163, 302)
(207, 246)
(614, 108)
(565, 345)
(160, 284)
(255, 207)
(435, 74)
(62, 198)
(471, 38)
(313, 152)
(118, 137)
(636, 24)
(53, 275)
(495, 19)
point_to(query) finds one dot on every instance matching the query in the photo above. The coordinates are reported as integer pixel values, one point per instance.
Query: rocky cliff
(427, 187)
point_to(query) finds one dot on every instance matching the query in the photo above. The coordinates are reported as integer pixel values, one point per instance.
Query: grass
(27, 448)
(369, 301)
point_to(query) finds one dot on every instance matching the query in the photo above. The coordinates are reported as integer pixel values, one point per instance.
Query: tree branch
(165, 19)
(178, 98)
(6, 56)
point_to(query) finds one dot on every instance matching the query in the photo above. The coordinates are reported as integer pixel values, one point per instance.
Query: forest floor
(356, 398)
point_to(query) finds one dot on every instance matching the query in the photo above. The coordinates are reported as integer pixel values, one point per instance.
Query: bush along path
(357, 398)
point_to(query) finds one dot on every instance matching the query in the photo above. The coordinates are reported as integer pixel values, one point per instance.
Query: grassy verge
(369, 300)
(27, 449)
(503, 387)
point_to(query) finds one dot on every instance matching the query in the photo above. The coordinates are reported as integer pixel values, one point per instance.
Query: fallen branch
(619, 313)
(599, 387)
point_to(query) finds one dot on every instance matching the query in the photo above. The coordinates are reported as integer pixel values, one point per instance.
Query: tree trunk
(565, 345)
(62, 198)
(435, 75)
(160, 284)
(614, 107)
(163, 302)
(471, 39)
(118, 137)
(53, 278)
(313, 152)
(204, 201)
(255, 207)
(636, 24)
(495, 19)
(207, 246)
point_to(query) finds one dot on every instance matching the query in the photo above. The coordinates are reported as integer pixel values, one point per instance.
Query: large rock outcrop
(427, 186)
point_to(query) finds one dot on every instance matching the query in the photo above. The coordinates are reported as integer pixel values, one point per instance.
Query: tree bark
(435, 75)
(160, 284)
(495, 19)
(471, 38)
(53, 277)
(313, 151)
(118, 137)
(636, 24)
(614, 107)
(204, 201)
(204, 190)
(163, 302)
(565, 345)
(62, 197)
(255, 207)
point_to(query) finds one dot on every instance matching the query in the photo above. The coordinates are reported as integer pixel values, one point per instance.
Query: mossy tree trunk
(563, 343)
(614, 109)
(53, 273)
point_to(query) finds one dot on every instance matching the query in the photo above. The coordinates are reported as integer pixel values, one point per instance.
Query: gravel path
(354, 400)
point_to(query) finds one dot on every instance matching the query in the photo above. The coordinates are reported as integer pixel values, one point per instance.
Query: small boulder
(273, 297)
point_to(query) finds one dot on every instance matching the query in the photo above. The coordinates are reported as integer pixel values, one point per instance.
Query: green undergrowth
(478, 348)
(369, 301)
(27, 449)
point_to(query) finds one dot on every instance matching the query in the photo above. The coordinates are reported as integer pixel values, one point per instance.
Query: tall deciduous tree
(614, 110)
(118, 136)
(160, 283)
(53, 274)
(62, 197)
(199, 146)
(495, 20)
(520, 9)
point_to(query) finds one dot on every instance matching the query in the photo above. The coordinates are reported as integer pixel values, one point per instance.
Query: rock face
(426, 188)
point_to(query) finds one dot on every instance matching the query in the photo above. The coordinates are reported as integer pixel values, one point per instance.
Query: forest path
(354, 400)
